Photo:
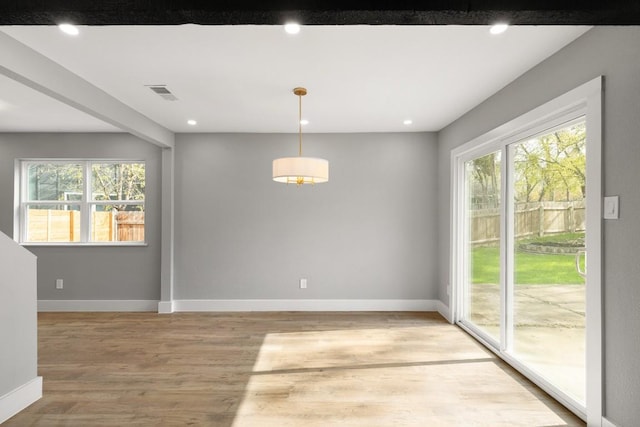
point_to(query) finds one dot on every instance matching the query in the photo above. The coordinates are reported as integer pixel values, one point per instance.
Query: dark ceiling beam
(331, 12)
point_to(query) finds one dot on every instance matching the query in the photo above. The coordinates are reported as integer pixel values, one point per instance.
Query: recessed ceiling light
(408, 122)
(304, 122)
(192, 122)
(292, 28)
(498, 28)
(70, 29)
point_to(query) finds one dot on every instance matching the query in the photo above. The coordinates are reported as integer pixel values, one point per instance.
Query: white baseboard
(97, 305)
(304, 305)
(166, 307)
(607, 423)
(18, 399)
(444, 311)
(244, 305)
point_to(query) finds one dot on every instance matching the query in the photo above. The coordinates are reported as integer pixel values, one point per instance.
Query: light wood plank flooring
(276, 369)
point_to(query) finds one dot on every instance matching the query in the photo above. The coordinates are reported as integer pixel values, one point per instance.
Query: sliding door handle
(581, 272)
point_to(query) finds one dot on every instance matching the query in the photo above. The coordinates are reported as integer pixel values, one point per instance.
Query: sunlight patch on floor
(412, 376)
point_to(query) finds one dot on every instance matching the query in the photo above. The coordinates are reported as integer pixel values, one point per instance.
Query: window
(81, 201)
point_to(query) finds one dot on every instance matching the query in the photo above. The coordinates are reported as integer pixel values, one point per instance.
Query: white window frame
(21, 202)
(585, 99)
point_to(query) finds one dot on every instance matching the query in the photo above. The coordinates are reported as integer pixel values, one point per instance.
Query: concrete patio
(549, 329)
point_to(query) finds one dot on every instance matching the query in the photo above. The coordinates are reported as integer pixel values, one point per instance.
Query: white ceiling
(240, 78)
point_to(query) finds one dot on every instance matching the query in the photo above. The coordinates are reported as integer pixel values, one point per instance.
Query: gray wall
(121, 273)
(369, 233)
(615, 53)
(18, 317)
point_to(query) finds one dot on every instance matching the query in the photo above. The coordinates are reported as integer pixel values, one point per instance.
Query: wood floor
(276, 369)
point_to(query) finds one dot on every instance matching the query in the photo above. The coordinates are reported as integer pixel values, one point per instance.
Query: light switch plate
(611, 206)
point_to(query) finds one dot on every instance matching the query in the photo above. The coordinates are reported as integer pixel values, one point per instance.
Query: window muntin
(82, 201)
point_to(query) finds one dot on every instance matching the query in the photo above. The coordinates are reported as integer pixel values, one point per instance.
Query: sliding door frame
(584, 100)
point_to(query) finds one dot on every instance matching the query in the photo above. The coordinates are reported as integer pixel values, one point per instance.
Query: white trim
(85, 244)
(166, 307)
(532, 120)
(243, 305)
(593, 93)
(444, 311)
(457, 229)
(85, 208)
(18, 399)
(607, 423)
(97, 305)
(304, 305)
(507, 221)
(18, 181)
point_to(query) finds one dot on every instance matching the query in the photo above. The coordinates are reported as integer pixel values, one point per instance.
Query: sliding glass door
(547, 224)
(482, 291)
(523, 239)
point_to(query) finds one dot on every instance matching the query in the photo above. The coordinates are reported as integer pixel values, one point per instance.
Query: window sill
(92, 244)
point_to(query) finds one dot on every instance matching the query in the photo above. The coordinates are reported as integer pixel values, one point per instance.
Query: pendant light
(300, 170)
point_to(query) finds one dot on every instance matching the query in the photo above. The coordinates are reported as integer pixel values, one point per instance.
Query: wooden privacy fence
(130, 226)
(48, 225)
(531, 220)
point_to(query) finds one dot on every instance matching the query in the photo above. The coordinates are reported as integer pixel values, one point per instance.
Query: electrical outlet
(448, 289)
(303, 283)
(59, 284)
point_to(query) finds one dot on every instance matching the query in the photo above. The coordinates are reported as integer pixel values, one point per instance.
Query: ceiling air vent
(163, 92)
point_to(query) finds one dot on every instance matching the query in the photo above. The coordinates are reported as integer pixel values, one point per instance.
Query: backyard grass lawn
(531, 269)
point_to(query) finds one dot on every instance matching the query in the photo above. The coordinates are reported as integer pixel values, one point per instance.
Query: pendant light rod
(300, 124)
(300, 92)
